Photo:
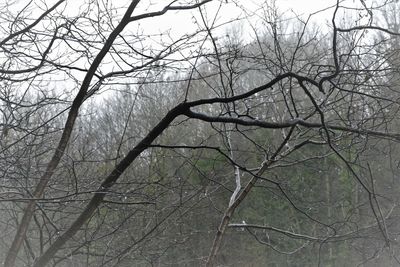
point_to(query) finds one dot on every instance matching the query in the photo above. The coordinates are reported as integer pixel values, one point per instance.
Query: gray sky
(184, 22)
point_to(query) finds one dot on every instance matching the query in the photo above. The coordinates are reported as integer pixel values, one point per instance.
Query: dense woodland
(260, 138)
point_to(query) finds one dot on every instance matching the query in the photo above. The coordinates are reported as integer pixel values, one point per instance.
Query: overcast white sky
(183, 23)
(305, 6)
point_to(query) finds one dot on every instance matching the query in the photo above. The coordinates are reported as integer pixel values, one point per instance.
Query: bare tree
(117, 142)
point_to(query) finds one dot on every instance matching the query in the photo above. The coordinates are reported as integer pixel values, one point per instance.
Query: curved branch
(30, 26)
(166, 9)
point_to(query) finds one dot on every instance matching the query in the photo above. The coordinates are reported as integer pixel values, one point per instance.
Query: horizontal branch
(368, 27)
(288, 124)
(287, 233)
(254, 91)
(325, 239)
(169, 7)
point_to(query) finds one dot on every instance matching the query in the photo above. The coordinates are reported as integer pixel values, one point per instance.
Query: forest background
(253, 135)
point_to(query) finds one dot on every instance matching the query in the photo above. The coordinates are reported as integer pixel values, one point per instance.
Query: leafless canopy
(254, 136)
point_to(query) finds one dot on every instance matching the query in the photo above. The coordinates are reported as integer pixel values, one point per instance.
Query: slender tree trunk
(229, 213)
(59, 152)
(328, 203)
